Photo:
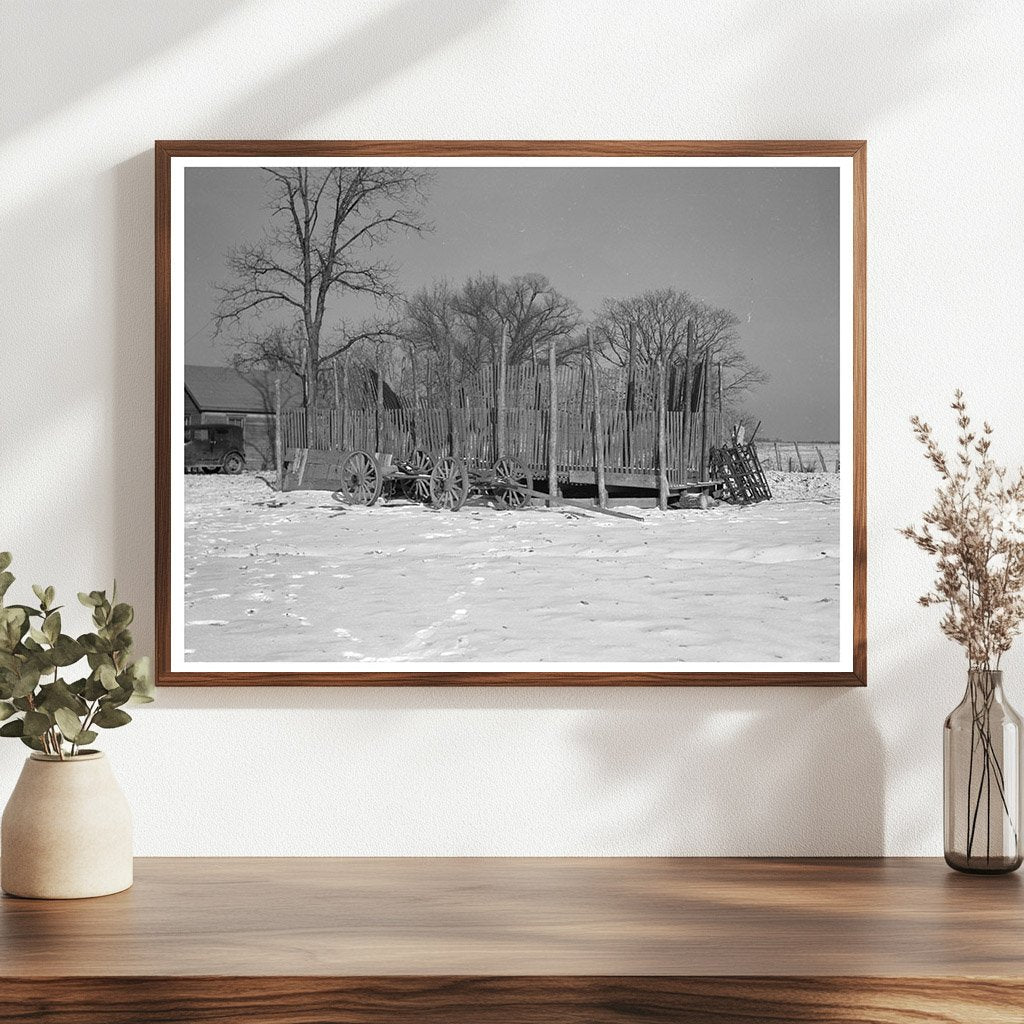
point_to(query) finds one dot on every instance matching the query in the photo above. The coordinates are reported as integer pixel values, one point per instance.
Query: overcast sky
(762, 242)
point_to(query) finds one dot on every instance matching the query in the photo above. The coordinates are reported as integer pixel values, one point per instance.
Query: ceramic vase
(66, 831)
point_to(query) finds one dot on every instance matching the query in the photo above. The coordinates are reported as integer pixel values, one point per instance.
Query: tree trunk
(312, 363)
(552, 423)
(598, 435)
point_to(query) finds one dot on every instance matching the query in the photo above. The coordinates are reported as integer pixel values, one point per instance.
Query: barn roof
(224, 389)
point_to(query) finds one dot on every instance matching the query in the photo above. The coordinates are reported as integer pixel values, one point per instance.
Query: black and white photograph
(531, 414)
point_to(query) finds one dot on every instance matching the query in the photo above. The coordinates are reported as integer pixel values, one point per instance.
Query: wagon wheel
(449, 483)
(360, 479)
(509, 475)
(233, 463)
(419, 489)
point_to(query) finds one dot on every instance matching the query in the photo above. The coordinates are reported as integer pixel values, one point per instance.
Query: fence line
(630, 441)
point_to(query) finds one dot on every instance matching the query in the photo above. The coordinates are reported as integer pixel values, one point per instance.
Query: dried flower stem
(975, 531)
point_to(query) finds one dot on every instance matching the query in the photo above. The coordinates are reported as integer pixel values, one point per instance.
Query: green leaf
(142, 682)
(51, 626)
(115, 698)
(27, 681)
(6, 710)
(89, 600)
(13, 728)
(69, 724)
(40, 593)
(66, 651)
(28, 610)
(38, 635)
(31, 741)
(59, 695)
(94, 689)
(50, 594)
(94, 644)
(13, 625)
(111, 718)
(107, 676)
(122, 616)
(5, 560)
(6, 579)
(36, 723)
(86, 736)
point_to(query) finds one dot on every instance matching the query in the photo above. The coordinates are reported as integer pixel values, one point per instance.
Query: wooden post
(778, 457)
(278, 446)
(799, 457)
(344, 395)
(720, 416)
(630, 396)
(662, 446)
(705, 402)
(687, 388)
(598, 424)
(552, 423)
(501, 427)
(451, 394)
(378, 404)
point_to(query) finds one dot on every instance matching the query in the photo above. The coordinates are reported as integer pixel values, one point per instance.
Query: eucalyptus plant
(37, 704)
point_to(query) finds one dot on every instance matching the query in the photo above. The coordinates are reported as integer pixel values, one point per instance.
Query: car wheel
(233, 463)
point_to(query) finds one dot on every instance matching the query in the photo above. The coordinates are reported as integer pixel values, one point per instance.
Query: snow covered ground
(297, 577)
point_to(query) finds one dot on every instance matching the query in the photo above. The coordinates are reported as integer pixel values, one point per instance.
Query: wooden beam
(598, 428)
(552, 422)
(687, 388)
(662, 446)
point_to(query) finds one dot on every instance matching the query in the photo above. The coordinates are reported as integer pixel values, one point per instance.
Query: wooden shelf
(507, 940)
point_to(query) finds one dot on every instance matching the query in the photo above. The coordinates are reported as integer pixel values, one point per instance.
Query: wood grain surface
(520, 939)
(166, 150)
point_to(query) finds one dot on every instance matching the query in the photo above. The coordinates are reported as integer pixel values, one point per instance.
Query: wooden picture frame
(850, 156)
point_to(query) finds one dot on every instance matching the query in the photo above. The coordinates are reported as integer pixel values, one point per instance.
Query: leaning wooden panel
(451, 361)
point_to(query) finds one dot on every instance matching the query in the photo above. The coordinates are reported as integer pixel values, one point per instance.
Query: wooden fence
(629, 439)
(799, 456)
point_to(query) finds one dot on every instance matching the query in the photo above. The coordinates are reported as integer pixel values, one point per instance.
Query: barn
(220, 394)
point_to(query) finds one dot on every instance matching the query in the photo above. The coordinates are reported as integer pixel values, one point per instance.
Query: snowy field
(298, 577)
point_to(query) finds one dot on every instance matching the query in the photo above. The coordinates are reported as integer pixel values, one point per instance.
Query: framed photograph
(527, 413)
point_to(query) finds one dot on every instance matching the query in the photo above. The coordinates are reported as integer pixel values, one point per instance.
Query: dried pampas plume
(975, 530)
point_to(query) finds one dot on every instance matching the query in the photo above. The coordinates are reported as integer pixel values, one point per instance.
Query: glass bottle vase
(981, 771)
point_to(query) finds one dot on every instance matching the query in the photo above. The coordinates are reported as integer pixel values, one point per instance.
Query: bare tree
(326, 227)
(652, 326)
(532, 311)
(645, 328)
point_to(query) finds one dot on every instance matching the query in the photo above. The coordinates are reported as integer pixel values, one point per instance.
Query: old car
(210, 447)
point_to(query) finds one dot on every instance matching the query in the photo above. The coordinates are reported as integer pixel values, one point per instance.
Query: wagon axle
(444, 482)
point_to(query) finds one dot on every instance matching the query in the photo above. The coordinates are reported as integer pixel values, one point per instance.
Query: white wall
(936, 88)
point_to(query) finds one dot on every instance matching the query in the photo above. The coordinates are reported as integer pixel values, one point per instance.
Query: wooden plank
(540, 999)
(869, 917)
(580, 503)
